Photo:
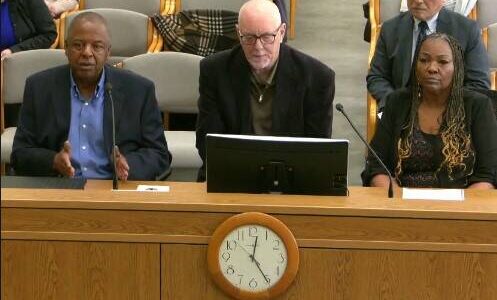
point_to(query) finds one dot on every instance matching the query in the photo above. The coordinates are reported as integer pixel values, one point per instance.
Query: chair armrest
(493, 80)
(56, 42)
(372, 111)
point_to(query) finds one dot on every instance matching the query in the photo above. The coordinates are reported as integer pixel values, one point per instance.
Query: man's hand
(5, 53)
(122, 167)
(62, 161)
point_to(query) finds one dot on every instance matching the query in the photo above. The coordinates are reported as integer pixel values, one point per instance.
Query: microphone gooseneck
(108, 90)
(339, 107)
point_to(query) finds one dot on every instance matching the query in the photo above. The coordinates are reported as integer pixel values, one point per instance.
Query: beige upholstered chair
(489, 37)
(494, 80)
(175, 75)
(15, 69)
(132, 33)
(379, 11)
(486, 12)
(234, 5)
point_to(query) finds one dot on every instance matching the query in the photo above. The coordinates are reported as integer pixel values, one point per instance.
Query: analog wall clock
(253, 256)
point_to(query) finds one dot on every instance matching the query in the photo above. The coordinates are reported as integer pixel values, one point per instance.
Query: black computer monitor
(268, 164)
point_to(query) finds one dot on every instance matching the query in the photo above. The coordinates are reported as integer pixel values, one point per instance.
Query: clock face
(252, 257)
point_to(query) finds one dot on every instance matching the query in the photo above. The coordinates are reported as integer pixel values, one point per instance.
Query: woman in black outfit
(436, 134)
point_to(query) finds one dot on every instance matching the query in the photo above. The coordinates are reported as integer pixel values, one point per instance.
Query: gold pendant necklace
(261, 93)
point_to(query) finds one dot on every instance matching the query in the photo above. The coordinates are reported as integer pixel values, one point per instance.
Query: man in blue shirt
(66, 121)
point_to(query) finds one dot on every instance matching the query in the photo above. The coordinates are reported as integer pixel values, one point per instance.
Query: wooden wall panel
(386, 274)
(349, 274)
(184, 273)
(79, 270)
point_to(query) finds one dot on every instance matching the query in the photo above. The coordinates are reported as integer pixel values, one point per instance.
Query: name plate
(433, 194)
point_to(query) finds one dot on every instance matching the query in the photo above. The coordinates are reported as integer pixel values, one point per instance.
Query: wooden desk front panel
(88, 270)
(103, 245)
(79, 270)
(349, 274)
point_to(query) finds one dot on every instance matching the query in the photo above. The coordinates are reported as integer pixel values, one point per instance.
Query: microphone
(339, 107)
(108, 90)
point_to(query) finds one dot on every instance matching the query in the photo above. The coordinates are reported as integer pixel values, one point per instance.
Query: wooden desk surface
(103, 244)
(478, 205)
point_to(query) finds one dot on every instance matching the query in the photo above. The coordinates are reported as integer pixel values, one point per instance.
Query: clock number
(252, 231)
(240, 235)
(276, 245)
(240, 277)
(266, 234)
(278, 271)
(282, 260)
(253, 283)
(226, 256)
(230, 245)
(230, 270)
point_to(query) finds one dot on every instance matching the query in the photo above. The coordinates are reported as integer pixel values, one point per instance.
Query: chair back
(20, 65)
(486, 12)
(491, 42)
(132, 33)
(175, 75)
(233, 5)
(387, 10)
(146, 7)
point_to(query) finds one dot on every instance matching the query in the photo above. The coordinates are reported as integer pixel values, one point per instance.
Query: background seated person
(26, 25)
(437, 134)
(396, 46)
(463, 7)
(65, 126)
(263, 87)
(57, 7)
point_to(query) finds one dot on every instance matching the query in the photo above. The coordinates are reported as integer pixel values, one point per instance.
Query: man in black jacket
(263, 87)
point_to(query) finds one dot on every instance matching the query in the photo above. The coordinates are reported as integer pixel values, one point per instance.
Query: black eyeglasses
(266, 38)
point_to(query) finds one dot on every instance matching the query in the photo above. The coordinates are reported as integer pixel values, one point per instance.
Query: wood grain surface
(103, 244)
(79, 270)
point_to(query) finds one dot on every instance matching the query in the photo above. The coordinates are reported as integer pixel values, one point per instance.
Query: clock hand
(255, 261)
(243, 248)
(255, 246)
(259, 267)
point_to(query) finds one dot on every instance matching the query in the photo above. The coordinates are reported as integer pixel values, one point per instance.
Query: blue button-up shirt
(86, 135)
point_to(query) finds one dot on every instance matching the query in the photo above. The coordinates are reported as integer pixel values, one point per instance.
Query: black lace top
(419, 170)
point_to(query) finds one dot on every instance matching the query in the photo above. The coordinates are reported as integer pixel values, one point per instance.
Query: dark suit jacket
(45, 121)
(391, 65)
(480, 120)
(33, 25)
(302, 104)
